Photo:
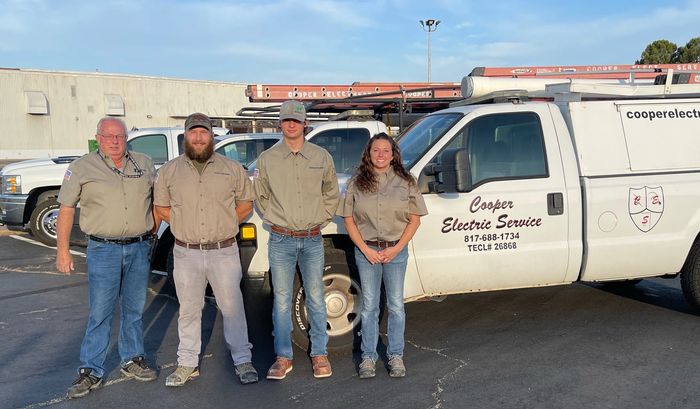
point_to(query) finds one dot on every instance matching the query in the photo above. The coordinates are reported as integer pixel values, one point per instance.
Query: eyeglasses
(118, 137)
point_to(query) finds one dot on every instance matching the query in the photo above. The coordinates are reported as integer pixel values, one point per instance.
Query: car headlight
(11, 184)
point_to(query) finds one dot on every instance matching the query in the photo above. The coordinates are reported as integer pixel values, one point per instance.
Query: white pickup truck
(600, 183)
(29, 188)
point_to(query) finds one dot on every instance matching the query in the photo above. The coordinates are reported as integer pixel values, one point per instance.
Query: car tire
(43, 221)
(343, 297)
(690, 276)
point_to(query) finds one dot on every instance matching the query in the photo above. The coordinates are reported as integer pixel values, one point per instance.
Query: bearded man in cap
(297, 193)
(204, 196)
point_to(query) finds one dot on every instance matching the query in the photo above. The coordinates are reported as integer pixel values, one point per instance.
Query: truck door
(509, 230)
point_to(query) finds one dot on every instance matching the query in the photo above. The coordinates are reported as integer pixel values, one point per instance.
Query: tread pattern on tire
(690, 276)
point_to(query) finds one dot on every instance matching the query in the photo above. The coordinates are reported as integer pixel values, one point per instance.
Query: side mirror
(452, 174)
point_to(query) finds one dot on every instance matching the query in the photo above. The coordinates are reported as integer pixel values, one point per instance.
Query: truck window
(245, 152)
(344, 145)
(155, 146)
(502, 146)
(422, 134)
(234, 151)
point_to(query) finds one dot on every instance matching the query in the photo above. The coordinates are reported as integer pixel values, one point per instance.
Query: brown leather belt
(381, 244)
(207, 246)
(312, 232)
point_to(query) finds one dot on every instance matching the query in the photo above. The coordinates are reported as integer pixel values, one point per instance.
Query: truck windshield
(422, 134)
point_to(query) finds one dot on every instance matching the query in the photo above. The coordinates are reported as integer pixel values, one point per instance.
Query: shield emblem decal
(646, 205)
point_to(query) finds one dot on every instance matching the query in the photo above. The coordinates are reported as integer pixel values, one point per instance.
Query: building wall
(76, 101)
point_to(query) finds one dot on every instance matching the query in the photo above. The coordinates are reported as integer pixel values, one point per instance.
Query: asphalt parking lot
(573, 346)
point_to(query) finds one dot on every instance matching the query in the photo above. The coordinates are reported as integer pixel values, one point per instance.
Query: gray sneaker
(138, 369)
(84, 384)
(181, 375)
(246, 373)
(396, 367)
(367, 368)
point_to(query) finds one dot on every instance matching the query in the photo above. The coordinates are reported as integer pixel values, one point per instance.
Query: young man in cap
(204, 196)
(114, 188)
(297, 193)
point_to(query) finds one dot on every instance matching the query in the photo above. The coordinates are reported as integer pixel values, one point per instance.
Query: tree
(658, 52)
(690, 53)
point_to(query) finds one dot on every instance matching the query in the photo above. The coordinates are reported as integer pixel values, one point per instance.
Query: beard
(202, 156)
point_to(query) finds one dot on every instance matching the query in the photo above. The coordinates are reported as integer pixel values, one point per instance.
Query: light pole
(429, 26)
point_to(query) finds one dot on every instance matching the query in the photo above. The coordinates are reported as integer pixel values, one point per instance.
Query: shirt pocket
(398, 194)
(221, 188)
(312, 179)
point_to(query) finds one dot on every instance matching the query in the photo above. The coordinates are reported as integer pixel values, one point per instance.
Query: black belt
(124, 240)
(207, 246)
(381, 244)
(312, 232)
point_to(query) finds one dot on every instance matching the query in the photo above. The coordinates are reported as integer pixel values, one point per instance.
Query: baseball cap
(293, 110)
(197, 119)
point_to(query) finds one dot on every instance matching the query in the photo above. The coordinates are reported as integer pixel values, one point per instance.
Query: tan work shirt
(384, 214)
(111, 205)
(202, 207)
(296, 191)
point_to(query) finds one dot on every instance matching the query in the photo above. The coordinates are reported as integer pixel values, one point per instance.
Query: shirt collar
(191, 162)
(304, 151)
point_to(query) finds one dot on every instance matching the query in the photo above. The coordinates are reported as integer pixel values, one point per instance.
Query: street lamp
(429, 26)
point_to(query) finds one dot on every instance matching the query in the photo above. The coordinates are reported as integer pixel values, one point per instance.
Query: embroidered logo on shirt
(67, 175)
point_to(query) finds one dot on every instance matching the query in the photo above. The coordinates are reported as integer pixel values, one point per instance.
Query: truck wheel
(343, 297)
(43, 221)
(690, 276)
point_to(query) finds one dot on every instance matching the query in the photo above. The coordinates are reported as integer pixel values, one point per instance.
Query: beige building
(54, 113)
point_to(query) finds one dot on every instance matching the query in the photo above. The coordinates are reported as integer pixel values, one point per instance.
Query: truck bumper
(12, 210)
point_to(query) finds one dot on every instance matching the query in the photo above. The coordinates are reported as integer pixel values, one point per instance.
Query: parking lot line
(20, 238)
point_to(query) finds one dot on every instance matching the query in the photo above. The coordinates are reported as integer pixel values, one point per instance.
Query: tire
(343, 297)
(690, 276)
(43, 221)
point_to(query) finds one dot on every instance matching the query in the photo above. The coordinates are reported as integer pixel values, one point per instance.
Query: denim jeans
(222, 269)
(371, 277)
(284, 254)
(116, 272)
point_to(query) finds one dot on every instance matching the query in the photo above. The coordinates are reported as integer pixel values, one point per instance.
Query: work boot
(84, 384)
(246, 373)
(280, 368)
(181, 375)
(322, 367)
(367, 368)
(138, 369)
(396, 367)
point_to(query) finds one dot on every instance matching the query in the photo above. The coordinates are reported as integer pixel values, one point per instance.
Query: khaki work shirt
(111, 205)
(384, 214)
(296, 191)
(202, 207)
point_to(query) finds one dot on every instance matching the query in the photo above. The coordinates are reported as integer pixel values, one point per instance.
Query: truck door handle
(555, 204)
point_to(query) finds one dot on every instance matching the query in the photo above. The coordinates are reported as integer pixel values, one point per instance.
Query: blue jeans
(115, 272)
(371, 276)
(284, 253)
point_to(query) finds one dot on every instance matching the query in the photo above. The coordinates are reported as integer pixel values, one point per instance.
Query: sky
(331, 41)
